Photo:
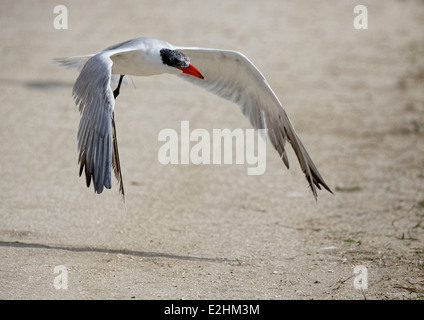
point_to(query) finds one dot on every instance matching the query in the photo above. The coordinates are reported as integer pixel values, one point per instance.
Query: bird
(225, 73)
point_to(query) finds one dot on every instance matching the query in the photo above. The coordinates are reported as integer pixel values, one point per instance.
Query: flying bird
(228, 74)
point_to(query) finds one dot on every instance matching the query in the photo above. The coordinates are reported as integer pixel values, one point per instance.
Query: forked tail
(76, 62)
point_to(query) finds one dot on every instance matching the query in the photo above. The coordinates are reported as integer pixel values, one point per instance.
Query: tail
(76, 62)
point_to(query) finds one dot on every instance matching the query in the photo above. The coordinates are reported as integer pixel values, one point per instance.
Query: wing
(97, 145)
(230, 75)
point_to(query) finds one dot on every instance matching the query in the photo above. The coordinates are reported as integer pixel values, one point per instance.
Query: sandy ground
(212, 231)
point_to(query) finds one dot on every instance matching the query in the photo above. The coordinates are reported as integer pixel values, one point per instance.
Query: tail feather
(76, 62)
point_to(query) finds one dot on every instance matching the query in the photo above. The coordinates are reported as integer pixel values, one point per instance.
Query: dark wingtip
(87, 177)
(326, 187)
(318, 184)
(316, 181)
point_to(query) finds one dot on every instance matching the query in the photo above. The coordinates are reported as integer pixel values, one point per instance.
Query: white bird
(228, 74)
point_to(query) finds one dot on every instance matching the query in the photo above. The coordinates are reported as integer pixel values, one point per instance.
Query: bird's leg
(116, 91)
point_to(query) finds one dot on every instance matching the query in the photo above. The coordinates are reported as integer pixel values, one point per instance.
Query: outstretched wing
(97, 145)
(230, 75)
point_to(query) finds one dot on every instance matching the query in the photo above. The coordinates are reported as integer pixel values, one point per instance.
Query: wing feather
(96, 134)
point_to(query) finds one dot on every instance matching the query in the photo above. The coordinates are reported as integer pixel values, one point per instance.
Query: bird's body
(139, 57)
(228, 74)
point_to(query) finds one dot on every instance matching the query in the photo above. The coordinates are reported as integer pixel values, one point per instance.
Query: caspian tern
(228, 74)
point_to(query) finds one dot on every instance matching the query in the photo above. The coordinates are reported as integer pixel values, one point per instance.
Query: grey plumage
(97, 145)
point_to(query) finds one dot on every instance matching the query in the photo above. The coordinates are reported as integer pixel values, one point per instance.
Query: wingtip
(316, 193)
(121, 191)
(326, 187)
(316, 181)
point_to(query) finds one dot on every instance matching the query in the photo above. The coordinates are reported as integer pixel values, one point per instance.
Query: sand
(192, 231)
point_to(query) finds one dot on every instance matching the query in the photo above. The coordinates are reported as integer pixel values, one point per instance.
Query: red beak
(192, 70)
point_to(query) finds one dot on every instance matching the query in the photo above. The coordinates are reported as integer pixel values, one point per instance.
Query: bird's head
(179, 60)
